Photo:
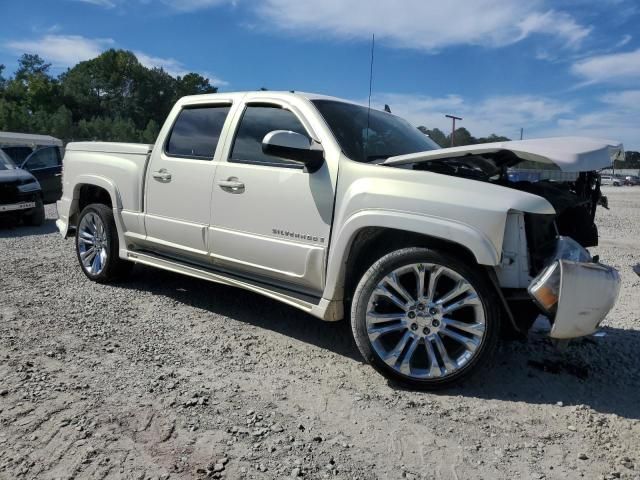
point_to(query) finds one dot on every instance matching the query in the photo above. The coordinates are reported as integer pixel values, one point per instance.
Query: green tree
(436, 135)
(150, 133)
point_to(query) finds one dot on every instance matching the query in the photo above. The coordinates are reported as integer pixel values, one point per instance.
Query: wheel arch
(366, 236)
(93, 189)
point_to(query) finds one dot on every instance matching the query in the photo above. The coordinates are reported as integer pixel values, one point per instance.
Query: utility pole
(453, 126)
(521, 133)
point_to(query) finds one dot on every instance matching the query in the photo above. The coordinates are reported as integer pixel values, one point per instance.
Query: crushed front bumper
(573, 291)
(588, 291)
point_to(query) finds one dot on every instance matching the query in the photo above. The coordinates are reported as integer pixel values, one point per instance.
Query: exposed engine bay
(574, 201)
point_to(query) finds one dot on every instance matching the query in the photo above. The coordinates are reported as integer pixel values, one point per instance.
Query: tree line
(112, 97)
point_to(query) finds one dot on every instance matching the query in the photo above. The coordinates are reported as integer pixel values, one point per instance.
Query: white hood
(570, 154)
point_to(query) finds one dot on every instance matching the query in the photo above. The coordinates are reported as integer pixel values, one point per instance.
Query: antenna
(373, 44)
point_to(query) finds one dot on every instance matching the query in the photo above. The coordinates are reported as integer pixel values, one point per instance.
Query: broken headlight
(545, 287)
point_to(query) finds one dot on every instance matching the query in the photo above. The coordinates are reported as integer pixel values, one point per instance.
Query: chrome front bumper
(588, 292)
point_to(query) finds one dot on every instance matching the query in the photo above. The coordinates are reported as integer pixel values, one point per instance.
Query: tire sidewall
(408, 256)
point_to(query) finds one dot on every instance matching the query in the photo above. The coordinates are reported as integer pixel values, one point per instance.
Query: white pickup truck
(343, 211)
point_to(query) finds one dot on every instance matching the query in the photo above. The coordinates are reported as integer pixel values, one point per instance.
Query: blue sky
(558, 67)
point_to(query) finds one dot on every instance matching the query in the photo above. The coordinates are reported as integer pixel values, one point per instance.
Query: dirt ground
(165, 376)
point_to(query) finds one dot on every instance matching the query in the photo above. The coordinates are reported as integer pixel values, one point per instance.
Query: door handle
(232, 185)
(162, 175)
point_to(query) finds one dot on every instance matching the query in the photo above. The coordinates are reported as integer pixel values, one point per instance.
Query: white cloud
(615, 116)
(623, 41)
(67, 50)
(555, 23)
(191, 5)
(623, 68)
(62, 50)
(424, 24)
(175, 68)
(100, 3)
(502, 115)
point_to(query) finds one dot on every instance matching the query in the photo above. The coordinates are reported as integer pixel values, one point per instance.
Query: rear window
(196, 132)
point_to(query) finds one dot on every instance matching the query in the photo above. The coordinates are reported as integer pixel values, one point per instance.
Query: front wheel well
(93, 194)
(372, 243)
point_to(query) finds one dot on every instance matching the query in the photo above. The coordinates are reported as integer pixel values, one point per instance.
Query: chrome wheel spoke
(419, 271)
(456, 291)
(469, 300)
(405, 365)
(469, 343)
(377, 332)
(385, 292)
(476, 329)
(374, 317)
(393, 355)
(397, 286)
(434, 366)
(434, 276)
(444, 355)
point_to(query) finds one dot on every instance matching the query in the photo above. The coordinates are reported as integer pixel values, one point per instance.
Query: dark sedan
(20, 193)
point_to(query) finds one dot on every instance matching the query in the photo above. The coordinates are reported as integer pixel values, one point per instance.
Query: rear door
(46, 165)
(271, 219)
(179, 181)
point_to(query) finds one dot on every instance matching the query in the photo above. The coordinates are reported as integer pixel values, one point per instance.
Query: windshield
(5, 162)
(386, 135)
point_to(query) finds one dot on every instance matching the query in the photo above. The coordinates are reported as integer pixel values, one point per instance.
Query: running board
(324, 309)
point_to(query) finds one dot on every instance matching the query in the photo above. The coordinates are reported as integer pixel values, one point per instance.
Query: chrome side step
(320, 310)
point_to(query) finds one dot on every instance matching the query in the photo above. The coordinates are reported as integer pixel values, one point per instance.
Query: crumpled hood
(570, 154)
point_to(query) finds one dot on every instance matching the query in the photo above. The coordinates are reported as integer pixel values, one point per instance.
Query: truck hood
(570, 154)
(16, 176)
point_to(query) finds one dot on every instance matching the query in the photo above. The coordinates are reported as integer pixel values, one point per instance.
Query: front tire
(424, 319)
(97, 245)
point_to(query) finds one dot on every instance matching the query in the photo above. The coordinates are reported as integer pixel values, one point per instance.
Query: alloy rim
(425, 321)
(92, 243)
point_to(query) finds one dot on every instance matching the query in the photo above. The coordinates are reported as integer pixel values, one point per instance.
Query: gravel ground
(165, 376)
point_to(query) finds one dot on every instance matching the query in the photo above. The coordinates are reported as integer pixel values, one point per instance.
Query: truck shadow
(602, 373)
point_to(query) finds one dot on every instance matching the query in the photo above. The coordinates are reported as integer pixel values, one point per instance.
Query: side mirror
(293, 146)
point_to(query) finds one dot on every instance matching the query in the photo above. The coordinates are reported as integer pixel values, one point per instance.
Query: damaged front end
(574, 291)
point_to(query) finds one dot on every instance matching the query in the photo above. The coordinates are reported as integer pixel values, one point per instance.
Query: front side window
(368, 135)
(48, 157)
(256, 122)
(196, 132)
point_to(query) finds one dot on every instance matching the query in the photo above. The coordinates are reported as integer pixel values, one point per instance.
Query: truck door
(271, 219)
(45, 164)
(179, 181)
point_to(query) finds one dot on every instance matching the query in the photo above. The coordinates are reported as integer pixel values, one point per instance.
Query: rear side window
(196, 132)
(48, 157)
(256, 122)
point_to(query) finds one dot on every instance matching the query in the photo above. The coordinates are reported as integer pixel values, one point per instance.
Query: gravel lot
(164, 376)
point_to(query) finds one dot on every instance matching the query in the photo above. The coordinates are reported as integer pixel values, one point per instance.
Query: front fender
(449, 230)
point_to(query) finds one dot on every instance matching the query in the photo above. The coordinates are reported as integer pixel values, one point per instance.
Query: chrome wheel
(425, 321)
(93, 243)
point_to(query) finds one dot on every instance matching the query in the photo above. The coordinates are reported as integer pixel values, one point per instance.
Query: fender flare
(111, 189)
(463, 234)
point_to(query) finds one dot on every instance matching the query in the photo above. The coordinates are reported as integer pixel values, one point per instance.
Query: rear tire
(37, 215)
(421, 335)
(97, 245)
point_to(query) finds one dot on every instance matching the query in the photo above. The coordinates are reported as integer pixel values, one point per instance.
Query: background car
(20, 193)
(610, 180)
(40, 155)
